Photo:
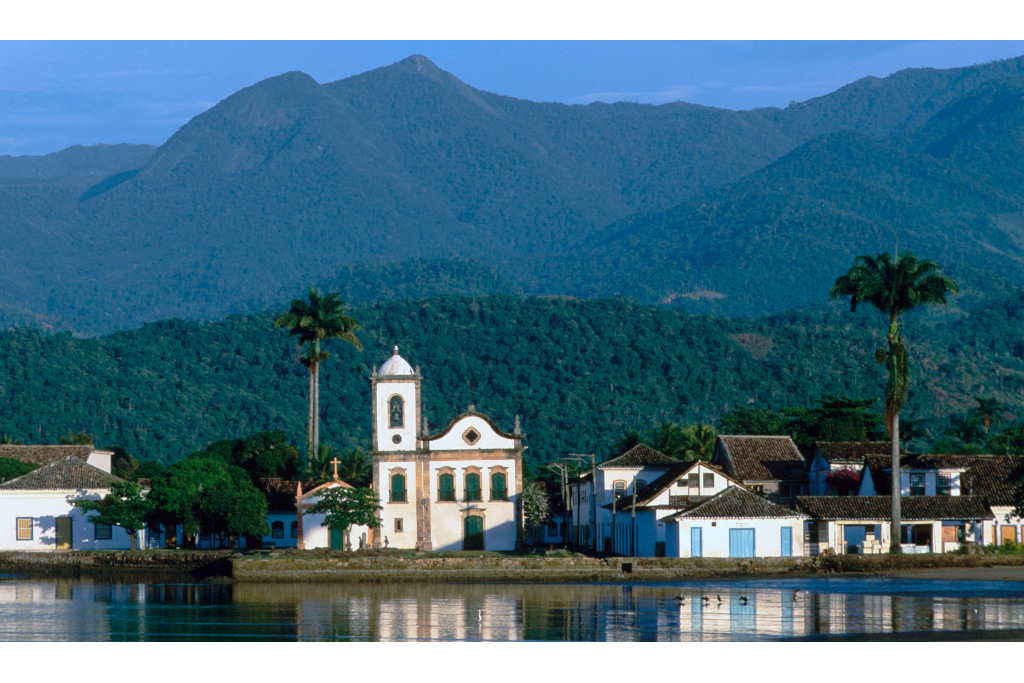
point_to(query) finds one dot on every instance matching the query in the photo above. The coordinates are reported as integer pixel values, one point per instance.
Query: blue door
(696, 542)
(741, 542)
(787, 541)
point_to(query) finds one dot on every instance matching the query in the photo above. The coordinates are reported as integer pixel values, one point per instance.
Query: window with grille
(694, 481)
(396, 411)
(24, 529)
(277, 530)
(709, 481)
(397, 488)
(619, 489)
(446, 487)
(917, 484)
(499, 486)
(942, 485)
(473, 492)
(103, 532)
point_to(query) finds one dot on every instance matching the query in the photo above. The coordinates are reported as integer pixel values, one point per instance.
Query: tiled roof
(851, 451)
(912, 508)
(640, 455)
(44, 455)
(737, 502)
(280, 493)
(992, 477)
(63, 475)
(764, 458)
(654, 489)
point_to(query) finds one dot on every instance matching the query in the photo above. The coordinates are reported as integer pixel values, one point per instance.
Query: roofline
(3, 486)
(472, 413)
(701, 504)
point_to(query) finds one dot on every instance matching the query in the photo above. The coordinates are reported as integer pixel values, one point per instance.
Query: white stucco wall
(715, 536)
(446, 518)
(489, 439)
(316, 533)
(719, 484)
(407, 511)
(44, 507)
(929, 482)
(383, 391)
(101, 459)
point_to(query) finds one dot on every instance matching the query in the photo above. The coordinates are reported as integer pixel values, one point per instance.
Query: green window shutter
(473, 487)
(398, 488)
(499, 487)
(446, 486)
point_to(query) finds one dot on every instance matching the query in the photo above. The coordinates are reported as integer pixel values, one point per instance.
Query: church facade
(459, 489)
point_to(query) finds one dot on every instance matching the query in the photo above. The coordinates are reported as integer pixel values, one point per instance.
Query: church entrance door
(337, 538)
(473, 533)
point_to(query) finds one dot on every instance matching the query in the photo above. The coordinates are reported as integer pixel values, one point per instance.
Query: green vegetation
(580, 373)
(124, 506)
(12, 469)
(344, 508)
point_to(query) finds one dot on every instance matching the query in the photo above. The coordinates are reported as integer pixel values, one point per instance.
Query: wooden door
(337, 541)
(696, 542)
(63, 533)
(1008, 533)
(741, 542)
(948, 534)
(787, 541)
(473, 533)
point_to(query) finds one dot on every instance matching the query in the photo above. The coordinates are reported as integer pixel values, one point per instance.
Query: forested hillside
(579, 372)
(290, 181)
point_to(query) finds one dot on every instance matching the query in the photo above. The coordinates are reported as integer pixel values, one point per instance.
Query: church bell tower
(396, 405)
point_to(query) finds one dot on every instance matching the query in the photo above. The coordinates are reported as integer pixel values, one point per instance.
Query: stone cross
(335, 462)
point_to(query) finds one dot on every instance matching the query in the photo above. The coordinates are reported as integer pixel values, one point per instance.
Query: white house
(616, 478)
(312, 529)
(37, 509)
(458, 489)
(638, 528)
(735, 523)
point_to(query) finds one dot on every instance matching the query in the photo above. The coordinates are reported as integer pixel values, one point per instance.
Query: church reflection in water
(110, 610)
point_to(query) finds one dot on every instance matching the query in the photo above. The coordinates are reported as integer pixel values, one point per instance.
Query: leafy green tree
(122, 464)
(344, 508)
(266, 454)
(668, 438)
(894, 289)
(1008, 441)
(988, 412)
(210, 494)
(147, 469)
(699, 442)
(753, 421)
(312, 322)
(965, 428)
(12, 469)
(124, 506)
(82, 438)
(536, 504)
(834, 418)
(629, 439)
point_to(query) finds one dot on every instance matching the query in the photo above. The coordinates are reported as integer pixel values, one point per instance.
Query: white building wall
(489, 439)
(407, 433)
(316, 533)
(720, 483)
(446, 518)
(715, 536)
(407, 511)
(101, 460)
(44, 507)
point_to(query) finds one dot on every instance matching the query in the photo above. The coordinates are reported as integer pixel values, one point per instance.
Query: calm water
(89, 610)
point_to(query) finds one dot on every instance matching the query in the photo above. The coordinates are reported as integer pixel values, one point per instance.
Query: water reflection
(806, 608)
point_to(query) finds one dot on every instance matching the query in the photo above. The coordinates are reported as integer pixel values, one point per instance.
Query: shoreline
(398, 567)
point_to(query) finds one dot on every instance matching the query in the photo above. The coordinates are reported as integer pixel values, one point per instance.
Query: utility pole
(563, 469)
(582, 457)
(632, 533)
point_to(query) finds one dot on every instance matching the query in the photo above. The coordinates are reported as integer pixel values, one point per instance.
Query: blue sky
(54, 94)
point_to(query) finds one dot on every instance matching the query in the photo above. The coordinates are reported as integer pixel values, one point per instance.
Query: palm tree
(894, 289)
(699, 442)
(667, 438)
(989, 411)
(8, 440)
(312, 321)
(82, 438)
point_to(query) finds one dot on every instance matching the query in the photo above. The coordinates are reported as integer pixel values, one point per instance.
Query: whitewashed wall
(715, 536)
(407, 512)
(489, 439)
(446, 518)
(44, 507)
(383, 392)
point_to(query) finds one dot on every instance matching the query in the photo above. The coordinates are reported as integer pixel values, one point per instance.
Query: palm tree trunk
(316, 407)
(310, 453)
(894, 529)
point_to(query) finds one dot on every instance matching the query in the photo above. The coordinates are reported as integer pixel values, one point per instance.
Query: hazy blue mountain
(288, 181)
(94, 160)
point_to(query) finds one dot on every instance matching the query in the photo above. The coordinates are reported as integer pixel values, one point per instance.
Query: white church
(459, 489)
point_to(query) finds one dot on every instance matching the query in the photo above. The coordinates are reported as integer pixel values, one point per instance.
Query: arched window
(396, 411)
(277, 530)
(446, 487)
(640, 483)
(619, 489)
(473, 492)
(295, 529)
(499, 486)
(397, 488)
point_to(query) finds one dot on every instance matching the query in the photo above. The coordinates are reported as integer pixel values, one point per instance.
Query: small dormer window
(396, 412)
(942, 485)
(917, 484)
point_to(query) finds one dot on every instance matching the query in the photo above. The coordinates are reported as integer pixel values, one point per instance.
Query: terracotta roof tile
(992, 477)
(764, 458)
(45, 455)
(658, 486)
(851, 451)
(912, 508)
(737, 502)
(640, 455)
(63, 475)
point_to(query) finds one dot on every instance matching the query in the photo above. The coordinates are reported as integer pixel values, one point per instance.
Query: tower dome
(396, 365)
